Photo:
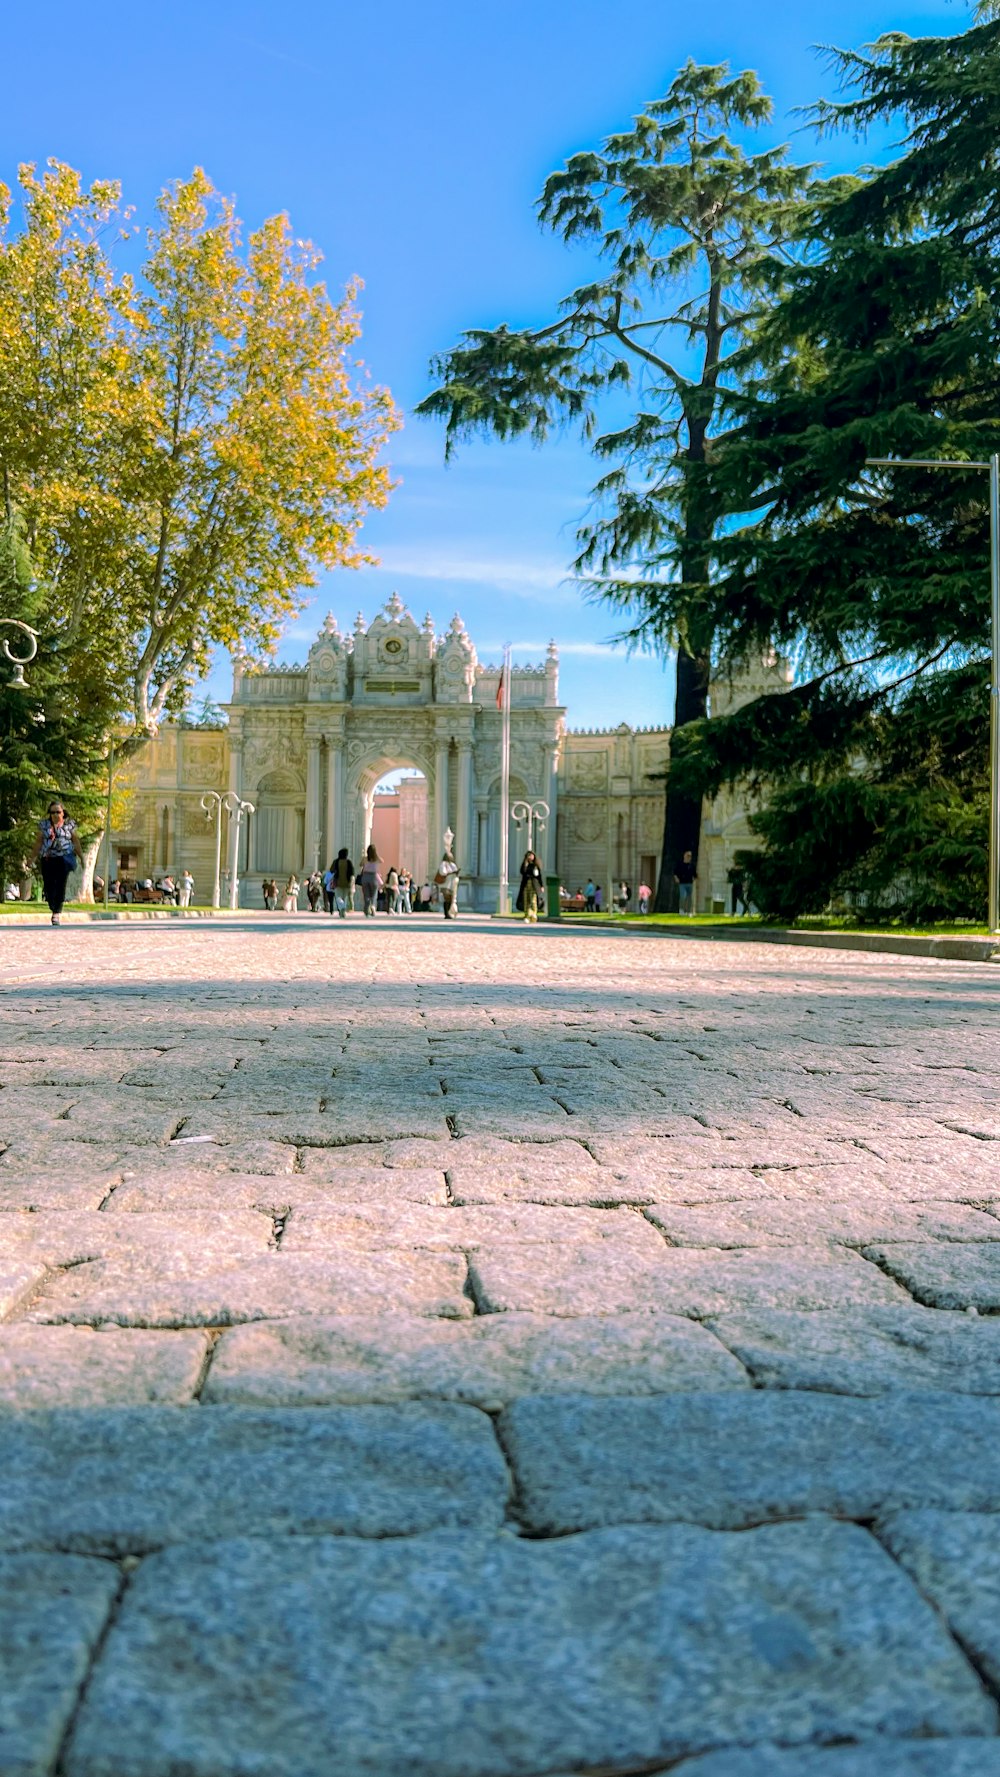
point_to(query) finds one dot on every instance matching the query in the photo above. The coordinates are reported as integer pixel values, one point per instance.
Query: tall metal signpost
(992, 464)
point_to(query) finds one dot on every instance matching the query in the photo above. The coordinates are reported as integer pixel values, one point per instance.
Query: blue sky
(409, 142)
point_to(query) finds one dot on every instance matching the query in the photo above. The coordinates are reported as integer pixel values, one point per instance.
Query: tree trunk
(682, 814)
(91, 853)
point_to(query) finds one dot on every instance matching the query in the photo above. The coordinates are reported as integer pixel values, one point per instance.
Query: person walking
(342, 872)
(57, 849)
(446, 878)
(645, 896)
(598, 899)
(405, 884)
(314, 890)
(291, 901)
(185, 889)
(590, 894)
(392, 891)
(371, 881)
(685, 876)
(530, 889)
(269, 890)
(329, 879)
(624, 897)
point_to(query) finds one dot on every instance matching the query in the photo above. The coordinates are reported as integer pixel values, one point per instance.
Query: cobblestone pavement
(437, 1351)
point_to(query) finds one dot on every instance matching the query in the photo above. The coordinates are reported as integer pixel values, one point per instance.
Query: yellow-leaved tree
(182, 447)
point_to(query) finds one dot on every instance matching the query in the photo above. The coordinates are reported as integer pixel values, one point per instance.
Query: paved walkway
(460, 1351)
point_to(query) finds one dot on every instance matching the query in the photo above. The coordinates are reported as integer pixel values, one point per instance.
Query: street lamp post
(535, 814)
(237, 809)
(210, 800)
(992, 464)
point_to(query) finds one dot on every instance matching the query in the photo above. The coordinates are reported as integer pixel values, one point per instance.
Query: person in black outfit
(529, 893)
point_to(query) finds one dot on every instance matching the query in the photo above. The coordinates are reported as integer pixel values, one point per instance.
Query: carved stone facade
(307, 745)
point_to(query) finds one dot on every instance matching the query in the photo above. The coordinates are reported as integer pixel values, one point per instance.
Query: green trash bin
(553, 905)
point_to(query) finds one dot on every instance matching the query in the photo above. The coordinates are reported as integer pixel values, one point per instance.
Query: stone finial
(359, 624)
(428, 625)
(330, 625)
(394, 606)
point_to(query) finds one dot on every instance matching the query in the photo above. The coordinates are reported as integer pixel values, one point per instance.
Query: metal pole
(994, 893)
(107, 820)
(217, 884)
(235, 816)
(503, 902)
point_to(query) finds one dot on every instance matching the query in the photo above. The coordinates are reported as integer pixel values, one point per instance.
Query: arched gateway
(391, 694)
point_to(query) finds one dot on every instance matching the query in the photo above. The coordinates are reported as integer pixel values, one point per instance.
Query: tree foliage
(883, 343)
(684, 221)
(185, 446)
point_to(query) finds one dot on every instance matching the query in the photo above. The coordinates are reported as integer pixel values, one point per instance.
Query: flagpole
(503, 902)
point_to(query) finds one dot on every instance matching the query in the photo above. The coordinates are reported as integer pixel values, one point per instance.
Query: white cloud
(520, 578)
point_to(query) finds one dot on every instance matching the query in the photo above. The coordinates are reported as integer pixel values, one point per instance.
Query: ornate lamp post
(210, 800)
(19, 661)
(534, 814)
(237, 809)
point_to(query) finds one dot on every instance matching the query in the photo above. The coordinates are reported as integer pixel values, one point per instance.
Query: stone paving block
(487, 1361)
(129, 1479)
(72, 1239)
(699, 1282)
(52, 1189)
(954, 1559)
(729, 1460)
(783, 1222)
(944, 1275)
(871, 1350)
(313, 1227)
(180, 1190)
(130, 1116)
(210, 1293)
(227, 1153)
(966, 1757)
(63, 1366)
(411, 1154)
(715, 1185)
(185, 1191)
(53, 1609)
(20, 1276)
(597, 1188)
(454, 1655)
(339, 1125)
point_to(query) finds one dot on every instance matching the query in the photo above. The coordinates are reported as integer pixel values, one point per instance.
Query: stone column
(440, 802)
(335, 810)
(313, 820)
(465, 842)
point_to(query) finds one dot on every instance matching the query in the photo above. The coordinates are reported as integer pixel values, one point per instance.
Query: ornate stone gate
(309, 743)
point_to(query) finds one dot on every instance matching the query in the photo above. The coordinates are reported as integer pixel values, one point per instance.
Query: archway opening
(397, 812)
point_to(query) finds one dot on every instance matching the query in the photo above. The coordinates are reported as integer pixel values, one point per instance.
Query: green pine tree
(52, 729)
(885, 342)
(685, 221)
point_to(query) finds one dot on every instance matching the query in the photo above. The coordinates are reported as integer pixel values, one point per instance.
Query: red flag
(500, 691)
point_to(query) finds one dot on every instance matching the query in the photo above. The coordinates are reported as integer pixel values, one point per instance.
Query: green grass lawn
(832, 923)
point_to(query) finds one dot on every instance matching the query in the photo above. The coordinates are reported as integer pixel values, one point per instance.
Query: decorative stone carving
(589, 821)
(588, 771)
